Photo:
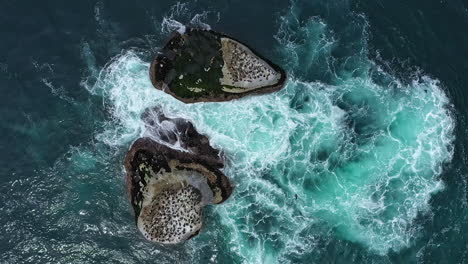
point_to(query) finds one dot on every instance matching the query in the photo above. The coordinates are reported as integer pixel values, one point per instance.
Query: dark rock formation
(206, 66)
(169, 187)
(179, 132)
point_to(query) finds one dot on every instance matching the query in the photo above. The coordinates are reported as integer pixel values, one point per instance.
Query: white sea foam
(362, 157)
(180, 16)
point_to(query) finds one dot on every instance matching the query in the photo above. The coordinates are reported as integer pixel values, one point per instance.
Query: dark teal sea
(370, 131)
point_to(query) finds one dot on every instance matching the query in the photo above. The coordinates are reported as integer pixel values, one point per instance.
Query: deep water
(361, 158)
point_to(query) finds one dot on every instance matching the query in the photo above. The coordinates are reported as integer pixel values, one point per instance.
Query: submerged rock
(180, 133)
(205, 66)
(169, 187)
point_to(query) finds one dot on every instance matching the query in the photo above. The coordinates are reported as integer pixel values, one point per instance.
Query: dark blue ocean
(369, 132)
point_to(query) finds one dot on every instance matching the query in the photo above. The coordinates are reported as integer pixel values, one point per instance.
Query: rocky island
(171, 177)
(173, 171)
(206, 66)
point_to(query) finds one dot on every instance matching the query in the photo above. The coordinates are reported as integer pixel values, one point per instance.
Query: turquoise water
(342, 165)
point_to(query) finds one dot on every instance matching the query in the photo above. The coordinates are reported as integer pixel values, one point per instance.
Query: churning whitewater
(355, 158)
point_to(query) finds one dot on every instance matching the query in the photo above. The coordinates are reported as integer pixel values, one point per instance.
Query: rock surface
(206, 66)
(180, 133)
(169, 187)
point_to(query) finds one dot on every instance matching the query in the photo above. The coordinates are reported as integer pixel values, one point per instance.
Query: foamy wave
(362, 152)
(127, 92)
(180, 16)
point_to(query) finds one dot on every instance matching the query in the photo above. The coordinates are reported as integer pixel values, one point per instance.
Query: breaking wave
(354, 155)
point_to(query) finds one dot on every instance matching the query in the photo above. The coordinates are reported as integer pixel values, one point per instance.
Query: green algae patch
(206, 66)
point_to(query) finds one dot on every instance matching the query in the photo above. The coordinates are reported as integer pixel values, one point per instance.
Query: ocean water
(361, 158)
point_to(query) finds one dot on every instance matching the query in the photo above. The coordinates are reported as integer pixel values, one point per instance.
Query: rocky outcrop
(180, 133)
(205, 66)
(173, 171)
(168, 187)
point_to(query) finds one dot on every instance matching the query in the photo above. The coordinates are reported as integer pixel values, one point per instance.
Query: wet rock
(180, 133)
(204, 66)
(168, 187)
